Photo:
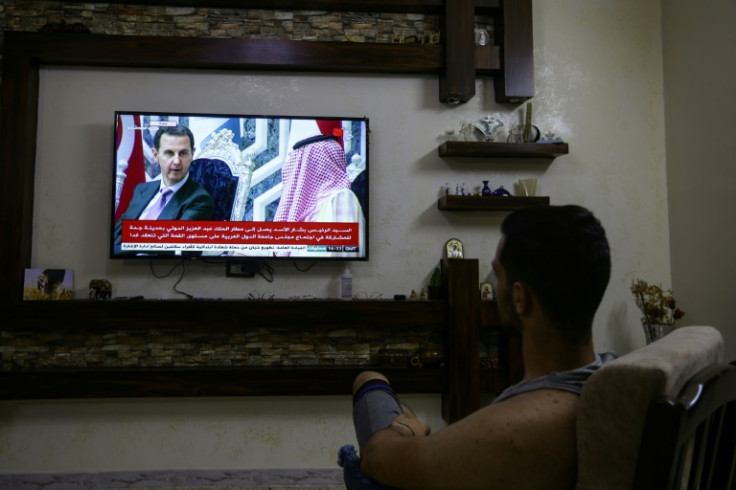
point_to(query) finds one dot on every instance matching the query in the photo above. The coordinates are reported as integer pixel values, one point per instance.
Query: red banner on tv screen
(236, 236)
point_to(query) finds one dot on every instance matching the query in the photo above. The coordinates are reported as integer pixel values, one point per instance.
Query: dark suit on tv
(190, 202)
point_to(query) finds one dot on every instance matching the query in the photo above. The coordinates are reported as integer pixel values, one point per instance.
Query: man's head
(173, 150)
(561, 255)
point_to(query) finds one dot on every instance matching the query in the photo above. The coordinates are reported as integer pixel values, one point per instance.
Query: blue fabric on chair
(354, 479)
(219, 181)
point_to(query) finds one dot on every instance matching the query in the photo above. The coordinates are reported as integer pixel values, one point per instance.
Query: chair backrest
(215, 176)
(222, 169)
(615, 402)
(689, 442)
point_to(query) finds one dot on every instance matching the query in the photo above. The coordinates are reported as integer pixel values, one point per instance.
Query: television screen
(239, 186)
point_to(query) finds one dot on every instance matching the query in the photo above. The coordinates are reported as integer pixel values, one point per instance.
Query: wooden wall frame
(458, 318)
(24, 53)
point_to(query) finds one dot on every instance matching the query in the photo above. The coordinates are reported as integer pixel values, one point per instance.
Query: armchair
(661, 417)
(637, 415)
(690, 442)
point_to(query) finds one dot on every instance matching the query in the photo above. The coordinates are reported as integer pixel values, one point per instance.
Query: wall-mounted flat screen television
(239, 187)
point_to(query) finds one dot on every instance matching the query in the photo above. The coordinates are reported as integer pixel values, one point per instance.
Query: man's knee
(366, 376)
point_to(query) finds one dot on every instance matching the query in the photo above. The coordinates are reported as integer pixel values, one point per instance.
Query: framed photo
(454, 249)
(45, 284)
(486, 291)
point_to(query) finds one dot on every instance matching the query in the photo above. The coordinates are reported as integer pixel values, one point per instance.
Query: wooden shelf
(192, 382)
(224, 315)
(97, 317)
(458, 379)
(425, 6)
(490, 203)
(479, 149)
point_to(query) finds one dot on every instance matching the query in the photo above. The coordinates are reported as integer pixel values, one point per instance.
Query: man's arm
(525, 442)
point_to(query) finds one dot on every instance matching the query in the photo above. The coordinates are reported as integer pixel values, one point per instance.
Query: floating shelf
(490, 203)
(212, 381)
(480, 149)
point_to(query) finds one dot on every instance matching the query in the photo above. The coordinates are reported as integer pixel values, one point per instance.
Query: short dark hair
(561, 253)
(178, 130)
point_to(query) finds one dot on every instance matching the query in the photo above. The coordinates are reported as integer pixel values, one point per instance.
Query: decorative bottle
(346, 284)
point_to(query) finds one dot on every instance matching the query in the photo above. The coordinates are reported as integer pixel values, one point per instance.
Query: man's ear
(521, 298)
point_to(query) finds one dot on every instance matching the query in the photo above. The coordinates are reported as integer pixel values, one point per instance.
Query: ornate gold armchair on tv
(226, 173)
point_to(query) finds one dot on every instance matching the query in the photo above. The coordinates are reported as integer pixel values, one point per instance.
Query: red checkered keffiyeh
(311, 173)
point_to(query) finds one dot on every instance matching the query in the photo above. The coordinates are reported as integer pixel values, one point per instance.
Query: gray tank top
(572, 381)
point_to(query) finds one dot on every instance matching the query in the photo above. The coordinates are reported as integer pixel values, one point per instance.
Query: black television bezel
(241, 260)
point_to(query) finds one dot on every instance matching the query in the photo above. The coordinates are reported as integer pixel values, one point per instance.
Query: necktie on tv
(158, 206)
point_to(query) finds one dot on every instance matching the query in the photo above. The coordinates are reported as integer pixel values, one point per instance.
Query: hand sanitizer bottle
(346, 284)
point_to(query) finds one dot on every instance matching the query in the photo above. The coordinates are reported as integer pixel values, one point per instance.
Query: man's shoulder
(191, 186)
(528, 419)
(148, 184)
(541, 402)
(145, 190)
(544, 396)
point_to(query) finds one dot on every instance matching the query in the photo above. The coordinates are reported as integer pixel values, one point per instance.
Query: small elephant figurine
(500, 192)
(100, 289)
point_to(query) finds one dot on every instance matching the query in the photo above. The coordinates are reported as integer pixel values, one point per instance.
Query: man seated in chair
(175, 196)
(551, 268)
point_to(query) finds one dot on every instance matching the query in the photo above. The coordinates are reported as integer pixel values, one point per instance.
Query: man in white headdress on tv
(315, 183)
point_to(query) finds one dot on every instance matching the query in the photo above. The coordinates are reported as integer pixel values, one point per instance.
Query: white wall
(599, 86)
(195, 433)
(407, 231)
(699, 74)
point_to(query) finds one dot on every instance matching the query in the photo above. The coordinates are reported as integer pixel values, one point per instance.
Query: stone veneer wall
(111, 18)
(302, 25)
(175, 347)
(253, 347)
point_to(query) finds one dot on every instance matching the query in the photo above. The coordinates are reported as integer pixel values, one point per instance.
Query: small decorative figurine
(550, 137)
(486, 291)
(481, 37)
(100, 289)
(488, 126)
(467, 131)
(413, 296)
(454, 249)
(448, 135)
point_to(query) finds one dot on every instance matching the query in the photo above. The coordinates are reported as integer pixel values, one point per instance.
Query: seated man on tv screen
(175, 196)
(551, 269)
(315, 183)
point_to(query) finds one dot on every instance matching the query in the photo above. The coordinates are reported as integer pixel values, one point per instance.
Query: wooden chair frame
(690, 441)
